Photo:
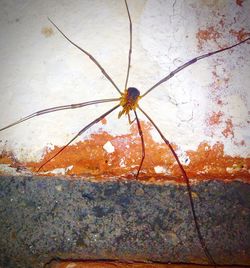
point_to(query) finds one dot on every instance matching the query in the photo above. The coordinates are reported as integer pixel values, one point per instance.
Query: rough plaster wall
(40, 70)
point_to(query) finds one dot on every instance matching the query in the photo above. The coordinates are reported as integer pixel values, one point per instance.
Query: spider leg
(130, 44)
(202, 241)
(78, 134)
(142, 144)
(190, 62)
(129, 119)
(59, 108)
(89, 55)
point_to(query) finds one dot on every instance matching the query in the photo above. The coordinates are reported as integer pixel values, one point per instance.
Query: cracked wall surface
(203, 111)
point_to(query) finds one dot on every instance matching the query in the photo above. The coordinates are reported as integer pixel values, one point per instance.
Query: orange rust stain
(207, 34)
(228, 131)
(210, 162)
(89, 158)
(239, 2)
(7, 158)
(215, 118)
(104, 121)
(241, 34)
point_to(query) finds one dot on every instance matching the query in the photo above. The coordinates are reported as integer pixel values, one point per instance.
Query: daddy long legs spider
(129, 103)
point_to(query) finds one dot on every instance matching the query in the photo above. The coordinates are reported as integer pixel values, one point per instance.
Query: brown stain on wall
(215, 118)
(216, 34)
(228, 131)
(89, 158)
(239, 2)
(240, 34)
(208, 34)
(47, 31)
(219, 32)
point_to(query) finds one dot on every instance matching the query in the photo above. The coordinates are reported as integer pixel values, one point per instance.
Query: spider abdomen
(133, 93)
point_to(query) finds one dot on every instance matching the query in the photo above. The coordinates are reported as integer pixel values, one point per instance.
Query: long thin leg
(142, 144)
(130, 44)
(202, 242)
(131, 121)
(177, 70)
(78, 134)
(59, 108)
(90, 56)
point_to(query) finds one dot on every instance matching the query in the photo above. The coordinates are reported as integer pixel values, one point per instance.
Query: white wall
(40, 69)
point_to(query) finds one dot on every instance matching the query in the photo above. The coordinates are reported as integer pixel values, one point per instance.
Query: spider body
(129, 100)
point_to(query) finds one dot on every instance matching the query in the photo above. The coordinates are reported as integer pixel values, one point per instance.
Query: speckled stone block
(42, 219)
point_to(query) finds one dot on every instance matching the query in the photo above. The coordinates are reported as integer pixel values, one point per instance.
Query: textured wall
(43, 219)
(203, 110)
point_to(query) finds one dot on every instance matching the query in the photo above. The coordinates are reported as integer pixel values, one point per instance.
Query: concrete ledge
(42, 219)
(106, 264)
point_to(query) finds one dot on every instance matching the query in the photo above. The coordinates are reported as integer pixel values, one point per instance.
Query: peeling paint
(88, 157)
(160, 169)
(108, 147)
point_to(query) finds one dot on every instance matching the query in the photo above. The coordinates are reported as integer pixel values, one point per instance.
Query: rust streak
(88, 157)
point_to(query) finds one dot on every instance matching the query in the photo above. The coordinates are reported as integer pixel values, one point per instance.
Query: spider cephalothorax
(129, 100)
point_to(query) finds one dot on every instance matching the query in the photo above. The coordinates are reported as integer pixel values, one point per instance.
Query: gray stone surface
(47, 218)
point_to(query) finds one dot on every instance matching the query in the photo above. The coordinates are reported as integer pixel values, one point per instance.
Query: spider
(129, 103)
